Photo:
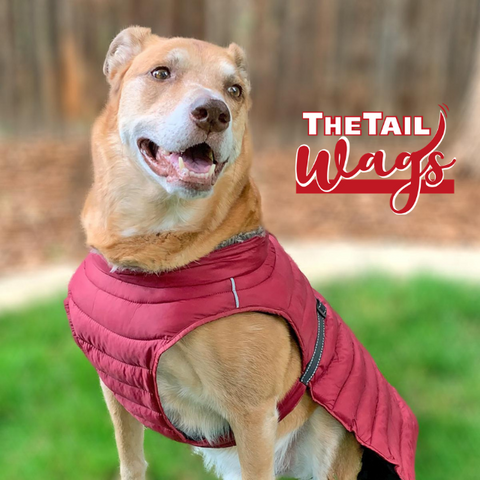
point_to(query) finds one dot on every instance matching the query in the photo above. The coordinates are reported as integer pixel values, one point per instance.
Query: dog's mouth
(194, 168)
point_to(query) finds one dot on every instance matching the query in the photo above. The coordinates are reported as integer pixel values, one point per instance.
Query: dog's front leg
(255, 432)
(129, 437)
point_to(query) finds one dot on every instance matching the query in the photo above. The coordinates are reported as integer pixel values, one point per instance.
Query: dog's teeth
(164, 152)
(181, 164)
(210, 155)
(210, 172)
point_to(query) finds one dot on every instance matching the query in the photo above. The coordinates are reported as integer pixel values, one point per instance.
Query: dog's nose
(210, 114)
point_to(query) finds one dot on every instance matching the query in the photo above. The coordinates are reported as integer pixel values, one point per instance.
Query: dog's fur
(230, 373)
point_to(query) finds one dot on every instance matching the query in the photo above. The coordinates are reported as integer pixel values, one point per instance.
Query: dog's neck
(165, 251)
(125, 221)
(236, 239)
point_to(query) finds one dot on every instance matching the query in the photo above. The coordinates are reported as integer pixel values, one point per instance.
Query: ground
(436, 219)
(44, 184)
(423, 333)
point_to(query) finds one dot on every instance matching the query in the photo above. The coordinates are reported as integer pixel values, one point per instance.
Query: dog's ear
(238, 55)
(123, 49)
(240, 58)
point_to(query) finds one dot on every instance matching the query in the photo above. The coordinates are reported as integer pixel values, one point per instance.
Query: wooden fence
(400, 56)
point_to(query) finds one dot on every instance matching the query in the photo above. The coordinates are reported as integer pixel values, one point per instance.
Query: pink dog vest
(123, 322)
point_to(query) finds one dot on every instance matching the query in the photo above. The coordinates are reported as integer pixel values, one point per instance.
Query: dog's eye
(160, 73)
(235, 91)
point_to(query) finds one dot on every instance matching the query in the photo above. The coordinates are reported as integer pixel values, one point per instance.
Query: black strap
(319, 343)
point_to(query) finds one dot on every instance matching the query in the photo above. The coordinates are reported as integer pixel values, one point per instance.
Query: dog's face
(182, 109)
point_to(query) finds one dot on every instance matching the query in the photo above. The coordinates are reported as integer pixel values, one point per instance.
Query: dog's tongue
(197, 164)
(197, 159)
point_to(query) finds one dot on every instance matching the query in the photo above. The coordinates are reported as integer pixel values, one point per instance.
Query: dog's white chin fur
(184, 192)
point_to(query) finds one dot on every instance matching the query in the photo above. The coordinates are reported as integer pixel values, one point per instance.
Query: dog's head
(181, 108)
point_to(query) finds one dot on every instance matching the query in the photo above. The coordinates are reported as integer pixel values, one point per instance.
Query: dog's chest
(187, 402)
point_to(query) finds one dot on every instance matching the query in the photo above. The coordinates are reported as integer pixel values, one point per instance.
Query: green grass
(423, 333)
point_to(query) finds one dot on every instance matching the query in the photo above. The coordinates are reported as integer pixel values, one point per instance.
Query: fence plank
(400, 56)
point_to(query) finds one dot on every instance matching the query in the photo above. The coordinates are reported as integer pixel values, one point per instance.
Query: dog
(172, 186)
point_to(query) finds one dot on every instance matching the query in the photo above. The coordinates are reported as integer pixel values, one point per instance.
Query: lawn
(424, 334)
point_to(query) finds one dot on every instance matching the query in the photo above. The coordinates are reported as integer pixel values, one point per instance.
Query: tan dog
(153, 208)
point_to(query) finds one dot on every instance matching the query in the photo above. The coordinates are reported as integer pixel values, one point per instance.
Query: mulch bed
(43, 186)
(436, 219)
